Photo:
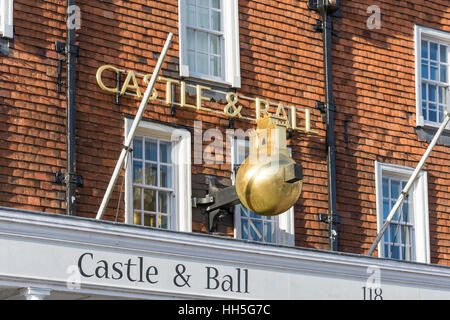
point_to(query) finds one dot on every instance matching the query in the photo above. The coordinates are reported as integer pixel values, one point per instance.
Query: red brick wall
(281, 60)
(375, 90)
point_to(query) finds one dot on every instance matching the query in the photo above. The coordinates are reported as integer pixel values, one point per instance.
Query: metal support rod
(330, 109)
(71, 52)
(134, 126)
(409, 184)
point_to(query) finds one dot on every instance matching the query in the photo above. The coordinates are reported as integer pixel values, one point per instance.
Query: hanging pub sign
(286, 115)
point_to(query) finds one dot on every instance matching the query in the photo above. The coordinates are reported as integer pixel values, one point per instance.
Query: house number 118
(372, 293)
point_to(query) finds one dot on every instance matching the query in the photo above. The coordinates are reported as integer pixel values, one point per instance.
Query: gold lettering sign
(231, 110)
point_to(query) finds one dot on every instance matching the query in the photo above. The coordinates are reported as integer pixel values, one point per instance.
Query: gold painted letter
(259, 110)
(100, 81)
(169, 82)
(200, 98)
(131, 76)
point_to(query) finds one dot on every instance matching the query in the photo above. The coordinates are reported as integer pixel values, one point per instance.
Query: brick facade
(281, 60)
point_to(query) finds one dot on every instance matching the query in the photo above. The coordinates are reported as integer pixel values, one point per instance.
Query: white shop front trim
(40, 253)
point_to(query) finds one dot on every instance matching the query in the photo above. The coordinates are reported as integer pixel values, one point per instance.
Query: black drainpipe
(70, 178)
(327, 9)
(72, 52)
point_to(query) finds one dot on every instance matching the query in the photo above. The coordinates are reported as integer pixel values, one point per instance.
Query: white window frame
(6, 18)
(231, 70)
(285, 235)
(181, 158)
(421, 32)
(419, 203)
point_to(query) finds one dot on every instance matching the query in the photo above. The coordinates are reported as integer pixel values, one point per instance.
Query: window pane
(386, 208)
(385, 187)
(202, 63)
(433, 50)
(256, 230)
(244, 211)
(149, 220)
(443, 73)
(163, 222)
(432, 93)
(424, 70)
(254, 215)
(424, 49)
(204, 3)
(149, 200)
(137, 172)
(432, 115)
(215, 44)
(244, 229)
(407, 236)
(191, 16)
(443, 53)
(395, 254)
(191, 39)
(191, 2)
(392, 227)
(137, 199)
(215, 20)
(202, 41)
(151, 152)
(137, 218)
(395, 189)
(442, 95)
(269, 232)
(405, 212)
(397, 213)
(424, 92)
(191, 61)
(164, 202)
(203, 18)
(424, 110)
(402, 252)
(166, 176)
(403, 234)
(386, 250)
(215, 4)
(441, 114)
(433, 71)
(151, 174)
(137, 148)
(215, 66)
(165, 151)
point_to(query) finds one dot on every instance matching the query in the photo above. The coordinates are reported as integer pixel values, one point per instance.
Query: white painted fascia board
(67, 230)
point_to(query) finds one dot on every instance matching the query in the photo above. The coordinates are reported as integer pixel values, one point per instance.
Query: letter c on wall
(99, 77)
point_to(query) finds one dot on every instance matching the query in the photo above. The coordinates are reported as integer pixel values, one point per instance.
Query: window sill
(211, 82)
(427, 132)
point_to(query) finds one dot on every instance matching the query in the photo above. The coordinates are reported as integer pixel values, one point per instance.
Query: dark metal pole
(326, 9)
(330, 109)
(72, 52)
